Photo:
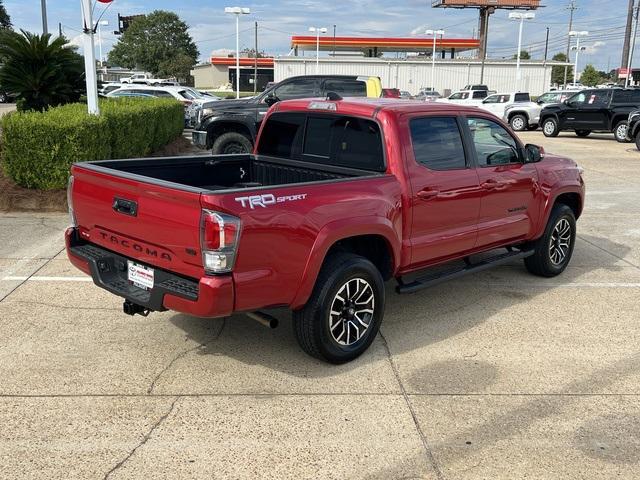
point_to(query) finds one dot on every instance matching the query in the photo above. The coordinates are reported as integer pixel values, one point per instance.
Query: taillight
(72, 215)
(219, 236)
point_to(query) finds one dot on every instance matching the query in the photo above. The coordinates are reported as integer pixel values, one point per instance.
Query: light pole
(100, 24)
(318, 31)
(633, 46)
(89, 58)
(237, 11)
(435, 33)
(43, 7)
(522, 17)
(575, 33)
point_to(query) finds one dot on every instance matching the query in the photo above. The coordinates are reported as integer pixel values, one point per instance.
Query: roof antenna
(333, 96)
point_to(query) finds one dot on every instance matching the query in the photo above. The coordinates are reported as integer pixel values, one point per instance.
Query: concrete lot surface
(500, 375)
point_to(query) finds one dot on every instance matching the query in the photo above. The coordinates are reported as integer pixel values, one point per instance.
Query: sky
(213, 31)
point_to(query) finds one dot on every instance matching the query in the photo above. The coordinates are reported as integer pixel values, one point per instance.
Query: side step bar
(434, 279)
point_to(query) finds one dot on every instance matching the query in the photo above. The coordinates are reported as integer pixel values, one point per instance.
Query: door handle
(428, 194)
(492, 184)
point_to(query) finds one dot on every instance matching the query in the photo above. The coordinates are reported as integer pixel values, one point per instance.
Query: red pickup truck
(338, 197)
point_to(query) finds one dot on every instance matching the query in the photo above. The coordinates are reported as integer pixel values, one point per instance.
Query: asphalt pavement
(498, 375)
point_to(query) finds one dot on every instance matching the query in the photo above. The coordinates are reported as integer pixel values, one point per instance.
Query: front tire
(231, 143)
(344, 312)
(638, 140)
(519, 123)
(550, 127)
(552, 251)
(583, 133)
(620, 131)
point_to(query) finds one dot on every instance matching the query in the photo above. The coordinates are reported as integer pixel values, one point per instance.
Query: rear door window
(480, 94)
(346, 87)
(626, 96)
(437, 143)
(521, 97)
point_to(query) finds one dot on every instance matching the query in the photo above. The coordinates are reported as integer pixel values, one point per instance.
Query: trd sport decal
(267, 199)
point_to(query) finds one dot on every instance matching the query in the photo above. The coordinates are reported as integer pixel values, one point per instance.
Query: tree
(42, 72)
(178, 66)
(524, 55)
(590, 76)
(557, 72)
(5, 21)
(153, 40)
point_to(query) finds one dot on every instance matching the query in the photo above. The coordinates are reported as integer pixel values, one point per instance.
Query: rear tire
(231, 143)
(583, 133)
(519, 123)
(351, 286)
(620, 131)
(550, 127)
(638, 140)
(552, 251)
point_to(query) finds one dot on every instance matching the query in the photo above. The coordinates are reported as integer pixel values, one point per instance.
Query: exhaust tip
(264, 319)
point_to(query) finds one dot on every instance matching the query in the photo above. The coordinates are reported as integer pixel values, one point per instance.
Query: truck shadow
(411, 321)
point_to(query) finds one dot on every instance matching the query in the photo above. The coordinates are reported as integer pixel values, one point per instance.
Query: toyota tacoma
(339, 196)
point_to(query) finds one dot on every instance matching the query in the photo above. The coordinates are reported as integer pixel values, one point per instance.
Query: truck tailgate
(154, 224)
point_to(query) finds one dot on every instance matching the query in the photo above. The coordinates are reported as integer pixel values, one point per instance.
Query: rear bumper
(207, 297)
(199, 138)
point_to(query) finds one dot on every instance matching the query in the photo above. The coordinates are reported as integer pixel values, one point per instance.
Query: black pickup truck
(231, 126)
(594, 110)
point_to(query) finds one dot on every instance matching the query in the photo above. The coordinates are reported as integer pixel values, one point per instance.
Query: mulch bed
(14, 198)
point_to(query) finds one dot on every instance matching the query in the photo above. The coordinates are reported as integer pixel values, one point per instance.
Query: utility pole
(484, 33)
(43, 6)
(627, 36)
(255, 64)
(633, 45)
(59, 29)
(544, 63)
(334, 41)
(546, 47)
(572, 7)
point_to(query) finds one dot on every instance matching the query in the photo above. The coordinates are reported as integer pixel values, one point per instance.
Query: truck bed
(225, 172)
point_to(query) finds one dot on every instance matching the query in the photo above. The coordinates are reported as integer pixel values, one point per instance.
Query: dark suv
(633, 130)
(595, 110)
(230, 126)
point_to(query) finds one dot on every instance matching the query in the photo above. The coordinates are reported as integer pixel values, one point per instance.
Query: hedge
(38, 148)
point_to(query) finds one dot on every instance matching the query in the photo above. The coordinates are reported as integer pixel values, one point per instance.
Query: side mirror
(533, 153)
(271, 99)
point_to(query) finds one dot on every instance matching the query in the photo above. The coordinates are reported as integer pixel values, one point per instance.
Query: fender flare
(518, 112)
(339, 230)
(552, 201)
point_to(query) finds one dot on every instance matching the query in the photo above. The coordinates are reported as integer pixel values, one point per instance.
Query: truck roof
(368, 106)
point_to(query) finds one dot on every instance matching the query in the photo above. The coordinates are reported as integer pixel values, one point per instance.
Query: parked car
(405, 95)
(230, 126)
(390, 93)
(467, 97)
(633, 129)
(598, 109)
(6, 97)
(107, 88)
(129, 93)
(497, 102)
(522, 115)
(147, 79)
(329, 207)
(428, 96)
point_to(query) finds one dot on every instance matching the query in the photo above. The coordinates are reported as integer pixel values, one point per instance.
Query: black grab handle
(128, 207)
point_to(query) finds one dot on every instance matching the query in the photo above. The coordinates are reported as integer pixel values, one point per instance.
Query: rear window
(521, 97)
(480, 94)
(626, 96)
(326, 139)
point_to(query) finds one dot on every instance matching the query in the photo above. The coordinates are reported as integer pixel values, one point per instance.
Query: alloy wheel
(621, 131)
(549, 128)
(560, 242)
(517, 123)
(351, 311)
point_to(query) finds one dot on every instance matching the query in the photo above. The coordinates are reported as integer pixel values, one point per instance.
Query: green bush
(38, 148)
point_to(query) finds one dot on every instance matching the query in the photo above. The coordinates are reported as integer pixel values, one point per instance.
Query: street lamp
(100, 24)
(435, 33)
(522, 17)
(574, 33)
(237, 11)
(318, 31)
